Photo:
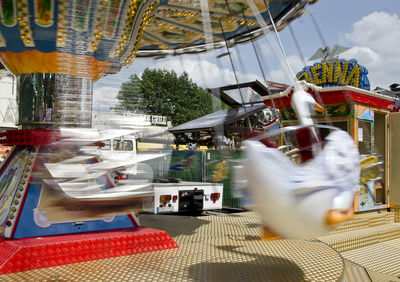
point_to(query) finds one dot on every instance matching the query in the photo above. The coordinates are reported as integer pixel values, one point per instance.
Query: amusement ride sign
(336, 73)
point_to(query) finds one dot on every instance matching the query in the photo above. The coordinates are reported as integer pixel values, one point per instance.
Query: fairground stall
(342, 88)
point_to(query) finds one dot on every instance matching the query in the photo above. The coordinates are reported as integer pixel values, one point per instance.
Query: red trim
(280, 103)
(265, 141)
(381, 103)
(337, 96)
(270, 123)
(133, 220)
(30, 253)
(29, 136)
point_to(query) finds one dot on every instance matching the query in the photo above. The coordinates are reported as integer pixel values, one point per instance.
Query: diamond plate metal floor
(381, 257)
(370, 245)
(355, 272)
(212, 248)
(227, 247)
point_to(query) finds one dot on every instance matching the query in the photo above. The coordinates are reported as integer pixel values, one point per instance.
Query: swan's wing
(268, 166)
(339, 161)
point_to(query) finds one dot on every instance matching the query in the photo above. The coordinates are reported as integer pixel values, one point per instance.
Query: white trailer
(170, 195)
(186, 197)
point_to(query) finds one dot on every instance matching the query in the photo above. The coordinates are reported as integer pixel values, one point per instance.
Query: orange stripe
(33, 61)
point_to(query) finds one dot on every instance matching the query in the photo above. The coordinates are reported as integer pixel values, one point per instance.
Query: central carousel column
(50, 101)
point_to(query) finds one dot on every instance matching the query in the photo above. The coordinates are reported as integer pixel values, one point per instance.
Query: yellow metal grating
(364, 220)
(396, 215)
(382, 257)
(354, 272)
(212, 248)
(381, 277)
(354, 239)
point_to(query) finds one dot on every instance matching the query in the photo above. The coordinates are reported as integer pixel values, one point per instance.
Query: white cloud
(202, 72)
(104, 98)
(377, 40)
(282, 76)
(363, 53)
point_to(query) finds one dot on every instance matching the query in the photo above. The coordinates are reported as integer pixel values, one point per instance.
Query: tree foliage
(130, 96)
(162, 92)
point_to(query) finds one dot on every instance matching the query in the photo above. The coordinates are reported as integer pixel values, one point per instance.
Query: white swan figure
(304, 105)
(302, 201)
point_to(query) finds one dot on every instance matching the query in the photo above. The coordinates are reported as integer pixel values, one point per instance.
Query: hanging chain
(230, 59)
(260, 65)
(318, 30)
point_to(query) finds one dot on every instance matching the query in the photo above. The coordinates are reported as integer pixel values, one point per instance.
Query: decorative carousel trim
(23, 25)
(62, 23)
(16, 205)
(44, 15)
(98, 26)
(145, 16)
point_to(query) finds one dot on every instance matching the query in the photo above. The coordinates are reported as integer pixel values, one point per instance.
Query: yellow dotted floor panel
(355, 239)
(227, 247)
(356, 273)
(383, 257)
(212, 248)
(365, 220)
(380, 277)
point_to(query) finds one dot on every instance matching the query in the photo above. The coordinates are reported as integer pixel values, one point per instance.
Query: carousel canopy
(93, 38)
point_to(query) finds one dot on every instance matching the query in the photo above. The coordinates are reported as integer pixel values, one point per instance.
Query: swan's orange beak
(269, 235)
(318, 108)
(334, 217)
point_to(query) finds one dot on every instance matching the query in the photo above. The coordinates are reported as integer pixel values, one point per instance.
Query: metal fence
(207, 166)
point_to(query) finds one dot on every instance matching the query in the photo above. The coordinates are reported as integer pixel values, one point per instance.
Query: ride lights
(215, 197)
(164, 199)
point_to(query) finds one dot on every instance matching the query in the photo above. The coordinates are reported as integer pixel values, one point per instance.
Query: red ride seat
(305, 139)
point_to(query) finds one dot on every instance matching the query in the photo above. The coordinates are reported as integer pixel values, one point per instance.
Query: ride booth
(342, 89)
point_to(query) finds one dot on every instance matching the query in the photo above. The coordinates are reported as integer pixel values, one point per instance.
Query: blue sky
(371, 28)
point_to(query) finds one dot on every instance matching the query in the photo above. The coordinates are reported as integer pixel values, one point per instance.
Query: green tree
(163, 92)
(130, 96)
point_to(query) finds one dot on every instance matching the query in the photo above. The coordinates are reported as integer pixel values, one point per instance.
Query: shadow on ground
(258, 268)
